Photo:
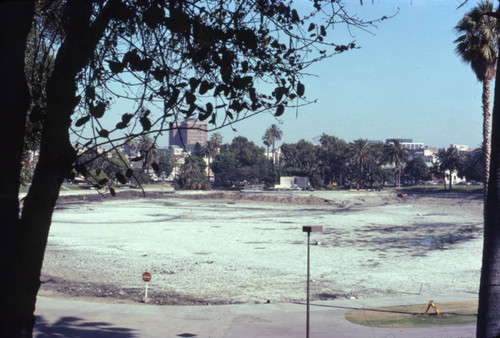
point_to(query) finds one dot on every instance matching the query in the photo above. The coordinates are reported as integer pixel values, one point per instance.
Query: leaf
(146, 123)
(126, 118)
(98, 110)
(173, 99)
(115, 67)
(193, 82)
(204, 87)
(225, 73)
(210, 108)
(280, 110)
(137, 159)
(81, 121)
(219, 89)
(300, 89)
(295, 16)
(155, 167)
(129, 172)
(311, 27)
(103, 181)
(158, 74)
(190, 98)
(112, 191)
(121, 125)
(122, 179)
(279, 91)
(103, 133)
(323, 30)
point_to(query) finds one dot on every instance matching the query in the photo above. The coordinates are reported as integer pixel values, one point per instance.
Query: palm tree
(450, 159)
(267, 139)
(395, 153)
(477, 45)
(216, 138)
(488, 324)
(147, 150)
(360, 152)
(275, 135)
(211, 148)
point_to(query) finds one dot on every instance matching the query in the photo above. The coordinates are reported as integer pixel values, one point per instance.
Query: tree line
(358, 164)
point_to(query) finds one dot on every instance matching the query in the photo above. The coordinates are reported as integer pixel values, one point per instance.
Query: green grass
(455, 313)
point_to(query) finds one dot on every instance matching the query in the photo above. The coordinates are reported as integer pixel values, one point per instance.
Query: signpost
(146, 277)
(309, 229)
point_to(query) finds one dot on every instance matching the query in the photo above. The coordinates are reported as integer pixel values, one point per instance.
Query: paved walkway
(59, 317)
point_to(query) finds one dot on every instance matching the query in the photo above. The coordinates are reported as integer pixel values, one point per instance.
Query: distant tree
(210, 149)
(224, 167)
(394, 153)
(274, 134)
(473, 167)
(198, 150)
(267, 139)
(245, 151)
(361, 157)
(216, 139)
(450, 160)
(417, 169)
(192, 174)
(375, 174)
(478, 46)
(147, 151)
(166, 164)
(332, 157)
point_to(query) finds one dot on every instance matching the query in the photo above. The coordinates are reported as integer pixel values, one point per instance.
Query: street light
(309, 229)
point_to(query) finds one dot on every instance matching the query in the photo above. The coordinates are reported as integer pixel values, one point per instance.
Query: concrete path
(57, 317)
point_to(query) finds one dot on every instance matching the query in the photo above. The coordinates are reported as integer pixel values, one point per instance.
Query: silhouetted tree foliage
(153, 62)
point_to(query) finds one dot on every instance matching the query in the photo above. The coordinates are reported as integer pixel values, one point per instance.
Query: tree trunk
(26, 244)
(488, 324)
(451, 178)
(15, 23)
(486, 134)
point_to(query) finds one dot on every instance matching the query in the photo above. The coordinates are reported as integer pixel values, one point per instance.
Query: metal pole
(307, 314)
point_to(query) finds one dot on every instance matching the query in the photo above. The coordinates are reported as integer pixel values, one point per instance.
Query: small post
(146, 277)
(309, 229)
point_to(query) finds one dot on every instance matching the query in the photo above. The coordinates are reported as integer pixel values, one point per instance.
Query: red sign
(146, 276)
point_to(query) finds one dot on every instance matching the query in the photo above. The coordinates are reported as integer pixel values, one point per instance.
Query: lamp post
(309, 229)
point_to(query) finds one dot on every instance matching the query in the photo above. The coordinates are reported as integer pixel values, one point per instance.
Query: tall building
(188, 133)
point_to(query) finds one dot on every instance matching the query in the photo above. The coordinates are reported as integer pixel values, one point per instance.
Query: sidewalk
(57, 317)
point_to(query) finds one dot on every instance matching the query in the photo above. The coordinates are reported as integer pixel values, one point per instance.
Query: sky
(404, 82)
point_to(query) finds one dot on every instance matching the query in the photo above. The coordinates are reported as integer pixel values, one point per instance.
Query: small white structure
(293, 182)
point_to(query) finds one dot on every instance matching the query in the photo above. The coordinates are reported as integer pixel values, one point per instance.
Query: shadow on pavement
(77, 327)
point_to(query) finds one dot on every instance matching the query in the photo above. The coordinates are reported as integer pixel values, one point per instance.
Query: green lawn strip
(453, 313)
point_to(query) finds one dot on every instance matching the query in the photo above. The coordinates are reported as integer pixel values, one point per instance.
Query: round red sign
(146, 276)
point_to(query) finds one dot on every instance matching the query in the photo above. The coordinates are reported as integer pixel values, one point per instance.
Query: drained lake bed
(212, 248)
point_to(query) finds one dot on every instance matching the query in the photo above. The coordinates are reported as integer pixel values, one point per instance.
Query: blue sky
(405, 82)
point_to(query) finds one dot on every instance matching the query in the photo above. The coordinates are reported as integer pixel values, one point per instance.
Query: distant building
(460, 147)
(407, 143)
(187, 133)
(293, 182)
